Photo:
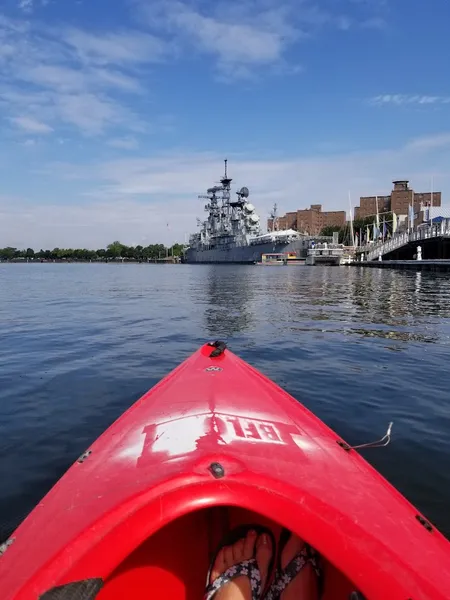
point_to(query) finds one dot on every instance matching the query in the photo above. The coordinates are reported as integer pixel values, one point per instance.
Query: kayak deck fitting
(213, 445)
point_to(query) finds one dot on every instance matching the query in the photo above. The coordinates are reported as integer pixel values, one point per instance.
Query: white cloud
(91, 226)
(132, 199)
(246, 34)
(61, 78)
(240, 35)
(26, 5)
(122, 47)
(409, 99)
(116, 79)
(89, 112)
(431, 142)
(31, 125)
(71, 77)
(232, 42)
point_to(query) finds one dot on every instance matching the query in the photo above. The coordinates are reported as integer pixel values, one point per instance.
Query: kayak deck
(214, 441)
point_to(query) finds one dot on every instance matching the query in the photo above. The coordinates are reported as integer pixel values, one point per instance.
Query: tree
(7, 253)
(115, 250)
(176, 250)
(329, 230)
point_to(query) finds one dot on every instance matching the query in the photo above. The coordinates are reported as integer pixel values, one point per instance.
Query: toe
(219, 566)
(249, 545)
(229, 559)
(264, 553)
(238, 551)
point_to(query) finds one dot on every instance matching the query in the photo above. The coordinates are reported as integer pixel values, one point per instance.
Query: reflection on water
(359, 347)
(230, 294)
(375, 303)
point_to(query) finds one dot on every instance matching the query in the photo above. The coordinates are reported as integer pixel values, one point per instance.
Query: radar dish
(244, 192)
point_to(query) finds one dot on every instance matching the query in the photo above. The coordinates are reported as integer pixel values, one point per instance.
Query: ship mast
(226, 181)
(274, 217)
(225, 208)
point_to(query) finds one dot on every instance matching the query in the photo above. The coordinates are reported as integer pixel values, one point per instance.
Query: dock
(436, 265)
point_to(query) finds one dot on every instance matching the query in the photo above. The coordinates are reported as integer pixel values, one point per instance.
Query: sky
(116, 114)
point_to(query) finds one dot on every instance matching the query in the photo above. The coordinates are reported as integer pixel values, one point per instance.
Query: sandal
(283, 577)
(249, 568)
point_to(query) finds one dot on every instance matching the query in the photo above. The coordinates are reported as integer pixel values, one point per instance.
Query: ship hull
(241, 254)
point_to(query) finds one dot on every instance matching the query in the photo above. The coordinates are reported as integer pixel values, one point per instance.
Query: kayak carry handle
(384, 441)
(220, 348)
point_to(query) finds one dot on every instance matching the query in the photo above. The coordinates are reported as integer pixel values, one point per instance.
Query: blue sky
(115, 115)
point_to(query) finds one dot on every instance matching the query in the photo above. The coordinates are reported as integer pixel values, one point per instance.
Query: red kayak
(213, 446)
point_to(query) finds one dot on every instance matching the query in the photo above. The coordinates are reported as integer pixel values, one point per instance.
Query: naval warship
(232, 233)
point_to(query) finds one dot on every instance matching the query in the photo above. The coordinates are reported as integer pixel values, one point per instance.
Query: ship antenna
(225, 179)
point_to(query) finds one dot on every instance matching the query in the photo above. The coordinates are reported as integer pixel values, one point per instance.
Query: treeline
(113, 251)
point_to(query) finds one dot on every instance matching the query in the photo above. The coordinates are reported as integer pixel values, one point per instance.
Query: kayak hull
(213, 445)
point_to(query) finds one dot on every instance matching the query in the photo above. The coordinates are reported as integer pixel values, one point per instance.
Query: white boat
(325, 254)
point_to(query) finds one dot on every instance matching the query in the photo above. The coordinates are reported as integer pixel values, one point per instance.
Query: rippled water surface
(80, 343)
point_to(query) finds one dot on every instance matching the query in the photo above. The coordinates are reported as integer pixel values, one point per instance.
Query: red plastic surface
(138, 512)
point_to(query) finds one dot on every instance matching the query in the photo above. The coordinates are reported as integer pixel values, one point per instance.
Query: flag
(367, 234)
(394, 223)
(384, 229)
(376, 232)
(411, 216)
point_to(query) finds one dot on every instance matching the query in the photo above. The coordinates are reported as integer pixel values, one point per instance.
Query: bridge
(405, 243)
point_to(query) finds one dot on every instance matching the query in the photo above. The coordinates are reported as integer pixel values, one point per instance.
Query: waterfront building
(310, 221)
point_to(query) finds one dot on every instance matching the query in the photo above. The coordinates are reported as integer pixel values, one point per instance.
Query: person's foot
(244, 549)
(304, 584)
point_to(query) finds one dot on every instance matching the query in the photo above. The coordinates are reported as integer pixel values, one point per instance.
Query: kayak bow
(212, 446)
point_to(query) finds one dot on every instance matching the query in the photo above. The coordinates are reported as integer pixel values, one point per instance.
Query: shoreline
(157, 261)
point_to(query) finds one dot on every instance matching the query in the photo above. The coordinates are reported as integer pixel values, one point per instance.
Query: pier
(434, 242)
(436, 265)
(425, 249)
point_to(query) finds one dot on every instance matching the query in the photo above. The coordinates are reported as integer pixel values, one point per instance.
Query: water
(81, 342)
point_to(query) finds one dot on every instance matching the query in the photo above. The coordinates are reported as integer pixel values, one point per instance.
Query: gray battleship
(231, 233)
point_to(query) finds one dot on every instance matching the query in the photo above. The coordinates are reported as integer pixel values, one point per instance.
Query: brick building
(310, 220)
(398, 201)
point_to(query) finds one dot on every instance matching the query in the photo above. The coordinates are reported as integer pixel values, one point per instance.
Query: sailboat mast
(431, 207)
(351, 220)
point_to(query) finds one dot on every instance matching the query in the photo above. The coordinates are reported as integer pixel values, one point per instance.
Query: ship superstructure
(232, 231)
(229, 221)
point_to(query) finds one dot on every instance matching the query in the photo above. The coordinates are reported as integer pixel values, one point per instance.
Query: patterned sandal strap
(284, 577)
(314, 561)
(249, 568)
